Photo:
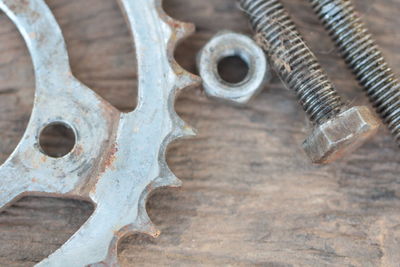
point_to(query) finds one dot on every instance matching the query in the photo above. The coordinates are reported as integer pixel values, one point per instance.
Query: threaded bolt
(364, 57)
(337, 130)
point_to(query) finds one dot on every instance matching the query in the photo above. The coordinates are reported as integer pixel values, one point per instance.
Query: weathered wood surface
(249, 197)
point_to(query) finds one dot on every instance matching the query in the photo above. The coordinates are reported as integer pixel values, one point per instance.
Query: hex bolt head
(338, 130)
(341, 135)
(364, 57)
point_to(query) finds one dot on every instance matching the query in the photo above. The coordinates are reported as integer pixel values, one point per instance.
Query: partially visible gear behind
(118, 158)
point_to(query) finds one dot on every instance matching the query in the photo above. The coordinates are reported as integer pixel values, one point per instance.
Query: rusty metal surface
(341, 135)
(118, 158)
(301, 72)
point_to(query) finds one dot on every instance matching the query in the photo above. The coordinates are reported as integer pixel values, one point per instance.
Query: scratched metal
(118, 158)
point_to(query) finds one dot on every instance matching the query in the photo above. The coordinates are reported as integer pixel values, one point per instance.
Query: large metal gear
(118, 158)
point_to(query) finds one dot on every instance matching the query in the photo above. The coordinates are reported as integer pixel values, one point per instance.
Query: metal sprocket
(119, 158)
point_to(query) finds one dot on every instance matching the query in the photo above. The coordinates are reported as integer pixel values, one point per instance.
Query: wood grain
(250, 197)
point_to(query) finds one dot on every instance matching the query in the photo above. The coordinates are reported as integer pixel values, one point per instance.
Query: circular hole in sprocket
(57, 139)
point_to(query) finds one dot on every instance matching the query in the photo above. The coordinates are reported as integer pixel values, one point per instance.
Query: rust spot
(78, 150)
(176, 25)
(110, 158)
(43, 159)
(34, 180)
(106, 163)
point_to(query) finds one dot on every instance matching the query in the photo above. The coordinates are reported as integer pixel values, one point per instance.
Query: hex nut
(341, 135)
(226, 44)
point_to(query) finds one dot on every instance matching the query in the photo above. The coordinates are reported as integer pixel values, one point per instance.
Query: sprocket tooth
(143, 223)
(167, 179)
(186, 80)
(180, 29)
(184, 131)
(147, 227)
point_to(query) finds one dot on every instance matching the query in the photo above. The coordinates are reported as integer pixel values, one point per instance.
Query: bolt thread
(364, 57)
(293, 61)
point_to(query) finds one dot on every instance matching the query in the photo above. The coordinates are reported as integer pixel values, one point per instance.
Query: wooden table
(250, 196)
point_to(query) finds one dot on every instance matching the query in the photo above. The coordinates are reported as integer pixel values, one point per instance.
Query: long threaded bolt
(338, 129)
(364, 57)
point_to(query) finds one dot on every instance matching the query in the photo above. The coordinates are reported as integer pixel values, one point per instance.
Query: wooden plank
(250, 197)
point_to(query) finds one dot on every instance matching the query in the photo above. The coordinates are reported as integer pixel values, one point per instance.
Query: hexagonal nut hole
(341, 135)
(229, 44)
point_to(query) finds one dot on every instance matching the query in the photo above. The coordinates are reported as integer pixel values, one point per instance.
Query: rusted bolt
(337, 129)
(340, 135)
(364, 58)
